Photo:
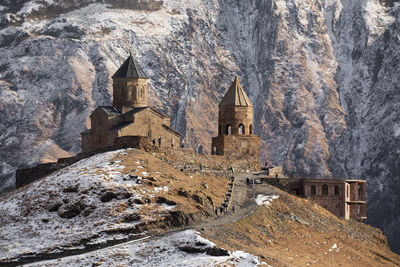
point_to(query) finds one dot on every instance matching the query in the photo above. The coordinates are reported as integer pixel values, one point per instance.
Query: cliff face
(323, 77)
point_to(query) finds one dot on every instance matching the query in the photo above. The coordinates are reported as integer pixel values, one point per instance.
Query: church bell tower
(236, 139)
(130, 86)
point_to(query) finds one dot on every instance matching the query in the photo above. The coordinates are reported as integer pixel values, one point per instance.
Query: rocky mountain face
(323, 76)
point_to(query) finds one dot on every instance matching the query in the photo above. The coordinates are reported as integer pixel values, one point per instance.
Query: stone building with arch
(344, 198)
(130, 119)
(347, 199)
(236, 139)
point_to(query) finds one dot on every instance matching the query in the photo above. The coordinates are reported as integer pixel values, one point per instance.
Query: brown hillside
(116, 196)
(296, 232)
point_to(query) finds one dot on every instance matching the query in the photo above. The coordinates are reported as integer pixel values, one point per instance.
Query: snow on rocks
(334, 248)
(80, 202)
(265, 200)
(186, 248)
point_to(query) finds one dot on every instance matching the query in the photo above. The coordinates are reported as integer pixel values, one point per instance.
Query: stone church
(236, 140)
(130, 118)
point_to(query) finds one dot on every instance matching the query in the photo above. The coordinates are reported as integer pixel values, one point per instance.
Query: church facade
(130, 116)
(236, 139)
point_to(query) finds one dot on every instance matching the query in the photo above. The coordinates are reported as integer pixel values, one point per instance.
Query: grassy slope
(290, 232)
(97, 199)
(297, 232)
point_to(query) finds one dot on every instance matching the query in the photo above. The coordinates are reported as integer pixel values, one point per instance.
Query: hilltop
(159, 206)
(323, 77)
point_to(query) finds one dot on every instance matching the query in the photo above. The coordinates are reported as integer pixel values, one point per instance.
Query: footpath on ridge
(243, 199)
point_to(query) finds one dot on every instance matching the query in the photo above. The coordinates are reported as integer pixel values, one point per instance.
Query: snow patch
(377, 18)
(265, 200)
(396, 130)
(160, 189)
(164, 251)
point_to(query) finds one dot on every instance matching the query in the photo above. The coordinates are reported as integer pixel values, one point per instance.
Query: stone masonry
(344, 198)
(129, 115)
(236, 139)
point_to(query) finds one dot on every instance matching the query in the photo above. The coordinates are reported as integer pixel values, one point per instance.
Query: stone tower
(235, 138)
(130, 86)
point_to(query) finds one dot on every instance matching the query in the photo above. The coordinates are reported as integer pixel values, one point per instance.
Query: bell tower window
(241, 129)
(228, 129)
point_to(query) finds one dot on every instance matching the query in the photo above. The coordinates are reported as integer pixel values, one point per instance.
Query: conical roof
(130, 69)
(236, 96)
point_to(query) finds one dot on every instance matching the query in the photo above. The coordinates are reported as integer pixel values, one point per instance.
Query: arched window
(336, 190)
(251, 129)
(241, 129)
(325, 189)
(228, 129)
(313, 190)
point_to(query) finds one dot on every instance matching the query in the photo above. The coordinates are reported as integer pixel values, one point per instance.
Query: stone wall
(141, 142)
(235, 116)
(146, 122)
(153, 125)
(130, 92)
(334, 201)
(292, 186)
(345, 201)
(237, 147)
(27, 176)
(100, 136)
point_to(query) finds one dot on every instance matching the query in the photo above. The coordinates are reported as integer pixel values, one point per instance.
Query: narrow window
(241, 129)
(313, 190)
(228, 130)
(336, 190)
(251, 129)
(325, 189)
(129, 92)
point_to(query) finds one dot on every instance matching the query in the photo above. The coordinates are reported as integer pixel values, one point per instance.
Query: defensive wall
(29, 175)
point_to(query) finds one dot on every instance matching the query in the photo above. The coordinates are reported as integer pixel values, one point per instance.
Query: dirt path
(243, 199)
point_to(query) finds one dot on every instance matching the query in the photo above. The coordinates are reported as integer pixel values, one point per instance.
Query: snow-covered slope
(323, 77)
(170, 250)
(84, 201)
